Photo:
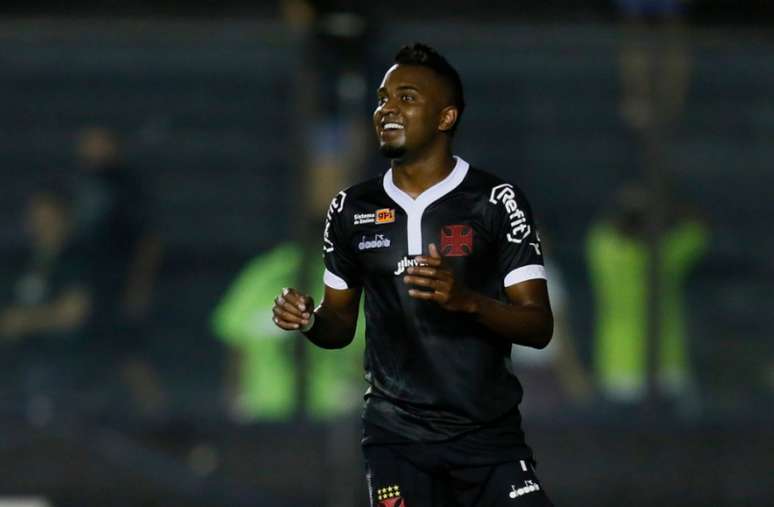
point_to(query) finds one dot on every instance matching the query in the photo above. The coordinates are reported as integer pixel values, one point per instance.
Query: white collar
(414, 208)
(430, 195)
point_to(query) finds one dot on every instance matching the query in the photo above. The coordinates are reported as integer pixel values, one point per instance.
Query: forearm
(39, 319)
(331, 330)
(144, 267)
(529, 325)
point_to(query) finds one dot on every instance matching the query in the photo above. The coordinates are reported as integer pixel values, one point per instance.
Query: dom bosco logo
(385, 216)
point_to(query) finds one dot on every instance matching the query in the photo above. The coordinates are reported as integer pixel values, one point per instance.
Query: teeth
(393, 126)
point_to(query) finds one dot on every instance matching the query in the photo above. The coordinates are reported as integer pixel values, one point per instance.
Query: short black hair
(424, 55)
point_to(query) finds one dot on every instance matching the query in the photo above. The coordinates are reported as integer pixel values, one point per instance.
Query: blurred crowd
(73, 325)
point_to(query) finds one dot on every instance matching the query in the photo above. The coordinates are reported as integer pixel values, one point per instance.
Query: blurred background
(165, 170)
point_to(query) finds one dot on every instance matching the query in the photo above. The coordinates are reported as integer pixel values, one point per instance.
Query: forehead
(415, 76)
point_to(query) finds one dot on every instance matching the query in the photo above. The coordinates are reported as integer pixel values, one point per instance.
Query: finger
(292, 317)
(289, 317)
(423, 271)
(295, 298)
(421, 281)
(433, 251)
(428, 261)
(287, 326)
(293, 308)
(443, 275)
(426, 295)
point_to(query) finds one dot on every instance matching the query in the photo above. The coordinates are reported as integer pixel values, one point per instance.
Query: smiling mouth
(391, 126)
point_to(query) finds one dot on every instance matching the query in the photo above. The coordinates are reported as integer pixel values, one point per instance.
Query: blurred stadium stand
(204, 108)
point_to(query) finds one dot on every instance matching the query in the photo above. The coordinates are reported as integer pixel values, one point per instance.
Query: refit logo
(506, 195)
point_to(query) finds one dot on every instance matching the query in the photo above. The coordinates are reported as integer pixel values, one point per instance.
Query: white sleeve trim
(524, 273)
(334, 281)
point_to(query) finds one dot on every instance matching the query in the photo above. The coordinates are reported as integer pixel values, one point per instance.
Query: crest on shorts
(390, 497)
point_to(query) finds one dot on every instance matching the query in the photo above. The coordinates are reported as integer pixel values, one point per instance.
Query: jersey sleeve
(519, 253)
(341, 268)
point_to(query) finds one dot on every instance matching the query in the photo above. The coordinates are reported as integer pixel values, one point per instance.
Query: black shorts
(407, 475)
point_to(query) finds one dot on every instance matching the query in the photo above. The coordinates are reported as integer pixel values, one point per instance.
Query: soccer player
(450, 262)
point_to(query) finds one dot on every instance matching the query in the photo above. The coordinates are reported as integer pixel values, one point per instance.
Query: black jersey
(433, 374)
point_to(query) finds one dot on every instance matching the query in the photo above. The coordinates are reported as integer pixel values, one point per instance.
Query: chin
(389, 151)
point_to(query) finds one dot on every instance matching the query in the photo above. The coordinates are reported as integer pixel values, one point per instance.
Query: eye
(381, 100)
(407, 98)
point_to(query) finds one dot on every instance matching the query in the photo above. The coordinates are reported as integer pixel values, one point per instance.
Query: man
(44, 326)
(261, 369)
(618, 257)
(451, 265)
(114, 228)
(113, 223)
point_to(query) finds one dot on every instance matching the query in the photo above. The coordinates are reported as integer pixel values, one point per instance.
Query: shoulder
(347, 197)
(495, 190)
(366, 188)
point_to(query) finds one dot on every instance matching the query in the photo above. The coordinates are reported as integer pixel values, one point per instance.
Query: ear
(449, 115)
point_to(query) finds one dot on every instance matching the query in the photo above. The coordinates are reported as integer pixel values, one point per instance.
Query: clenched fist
(292, 309)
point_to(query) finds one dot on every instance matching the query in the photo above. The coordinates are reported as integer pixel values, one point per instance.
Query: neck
(416, 174)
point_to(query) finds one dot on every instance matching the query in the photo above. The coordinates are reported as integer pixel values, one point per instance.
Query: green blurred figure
(618, 259)
(263, 358)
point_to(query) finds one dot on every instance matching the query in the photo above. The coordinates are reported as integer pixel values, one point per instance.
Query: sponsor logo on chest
(373, 242)
(404, 263)
(380, 216)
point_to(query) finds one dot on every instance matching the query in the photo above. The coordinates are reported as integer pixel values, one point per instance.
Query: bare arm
(65, 313)
(525, 319)
(142, 275)
(334, 320)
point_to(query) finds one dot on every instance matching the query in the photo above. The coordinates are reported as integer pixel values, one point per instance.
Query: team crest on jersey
(456, 240)
(376, 241)
(390, 497)
(505, 194)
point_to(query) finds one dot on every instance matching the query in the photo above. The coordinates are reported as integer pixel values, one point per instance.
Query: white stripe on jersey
(414, 208)
(524, 273)
(334, 281)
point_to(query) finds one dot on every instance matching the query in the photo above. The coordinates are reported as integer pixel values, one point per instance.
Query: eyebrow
(401, 87)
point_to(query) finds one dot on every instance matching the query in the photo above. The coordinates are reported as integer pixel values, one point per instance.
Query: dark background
(203, 93)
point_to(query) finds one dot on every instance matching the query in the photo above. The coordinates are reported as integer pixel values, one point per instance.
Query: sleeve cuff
(334, 281)
(524, 273)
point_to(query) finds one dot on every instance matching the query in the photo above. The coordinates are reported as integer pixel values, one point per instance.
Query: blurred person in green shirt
(262, 359)
(618, 258)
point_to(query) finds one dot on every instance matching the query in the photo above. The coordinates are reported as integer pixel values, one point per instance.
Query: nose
(388, 106)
